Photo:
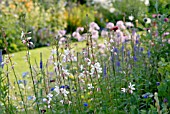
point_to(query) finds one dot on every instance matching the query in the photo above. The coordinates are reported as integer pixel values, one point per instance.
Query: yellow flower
(12, 6)
(89, 101)
(75, 68)
(82, 96)
(71, 77)
(88, 93)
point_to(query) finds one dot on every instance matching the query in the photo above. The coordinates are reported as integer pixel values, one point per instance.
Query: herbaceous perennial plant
(118, 75)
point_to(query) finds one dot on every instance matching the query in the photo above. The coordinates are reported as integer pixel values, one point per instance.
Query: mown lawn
(21, 65)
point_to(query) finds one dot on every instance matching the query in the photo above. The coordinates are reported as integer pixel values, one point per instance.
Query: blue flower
(24, 74)
(41, 64)
(157, 83)
(145, 96)
(52, 89)
(30, 97)
(67, 87)
(62, 86)
(85, 104)
(20, 81)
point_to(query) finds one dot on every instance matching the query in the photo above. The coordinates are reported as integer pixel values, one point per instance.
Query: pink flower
(104, 33)
(154, 15)
(62, 40)
(166, 20)
(78, 36)
(102, 46)
(61, 33)
(109, 25)
(24, 41)
(95, 34)
(129, 24)
(80, 29)
(168, 41)
(120, 25)
(94, 26)
(166, 34)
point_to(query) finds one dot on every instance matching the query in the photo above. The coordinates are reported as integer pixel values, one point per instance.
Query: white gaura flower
(22, 34)
(69, 102)
(88, 61)
(44, 100)
(53, 51)
(90, 86)
(147, 2)
(66, 52)
(81, 67)
(57, 90)
(123, 90)
(112, 10)
(64, 91)
(62, 101)
(81, 75)
(147, 20)
(50, 95)
(131, 87)
(131, 18)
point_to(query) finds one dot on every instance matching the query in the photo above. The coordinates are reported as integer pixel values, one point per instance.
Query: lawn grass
(21, 65)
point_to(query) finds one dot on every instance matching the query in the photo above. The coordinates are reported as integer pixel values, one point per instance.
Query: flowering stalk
(28, 43)
(12, 65)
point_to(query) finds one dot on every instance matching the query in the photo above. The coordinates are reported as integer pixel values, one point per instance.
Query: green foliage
(78, 16)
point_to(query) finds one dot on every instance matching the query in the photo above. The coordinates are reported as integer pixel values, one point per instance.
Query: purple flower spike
(135, 48)
(141, 49)
(0, 58)
(128, 53)
(104, 71)
(123, 48)
(165, 100)
(118, 64)
(137, 41)
(149, 53)
(115, 50)
(135, 58)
